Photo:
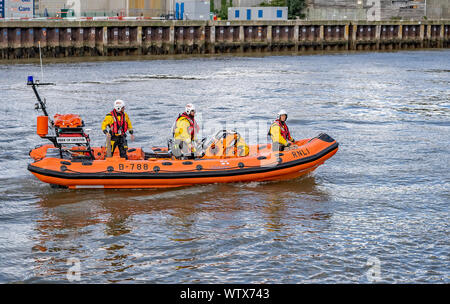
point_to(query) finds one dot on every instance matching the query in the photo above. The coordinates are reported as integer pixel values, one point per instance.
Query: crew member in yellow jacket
(279, 132)
(185, 132)
(119, 123)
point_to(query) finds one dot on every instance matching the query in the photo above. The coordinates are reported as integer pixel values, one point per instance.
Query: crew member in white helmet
(185, 132)
(279, 132)
(119, 124)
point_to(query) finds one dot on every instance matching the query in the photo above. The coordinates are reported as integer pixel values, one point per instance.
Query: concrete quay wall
(63, 38)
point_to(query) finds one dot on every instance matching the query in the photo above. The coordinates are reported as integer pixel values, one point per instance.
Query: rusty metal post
(105, 41)
(276, 34)
(53, 37)
(285, 34)
(302, 33)
(172, 34)
(4, 38)
(41, 35)
(99, 40)
(139, 34)
(27, 38)
(65, 37)
(346, 36)
(378, 35)
(249, 34)
(212, 39)
(220, 34)
(79, 37)
(296, 37)
(124, 37)
(327, 35)
(260, 34)
(354, 36)
(229, 33)
(201, 41)
(115, 36)
(190, 35)
(90, 37)
(360, 34)
(16, 41)
(147, 39)
(158, 36)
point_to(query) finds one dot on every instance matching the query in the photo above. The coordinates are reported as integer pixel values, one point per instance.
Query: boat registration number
(133, 167)
(71, 140)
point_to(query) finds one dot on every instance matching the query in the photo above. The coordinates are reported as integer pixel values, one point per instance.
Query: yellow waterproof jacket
(109, 121)
(182, 130)
(276, 135)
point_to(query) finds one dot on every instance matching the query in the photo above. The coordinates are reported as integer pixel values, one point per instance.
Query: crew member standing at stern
(119, 123)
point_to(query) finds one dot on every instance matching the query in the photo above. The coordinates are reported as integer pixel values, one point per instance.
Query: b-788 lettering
(133, 167)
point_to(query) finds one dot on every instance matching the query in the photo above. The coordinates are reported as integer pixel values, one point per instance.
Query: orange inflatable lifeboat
(158, 170)
(71, 162)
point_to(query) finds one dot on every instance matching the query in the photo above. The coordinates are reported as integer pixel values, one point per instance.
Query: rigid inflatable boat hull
(261, 165)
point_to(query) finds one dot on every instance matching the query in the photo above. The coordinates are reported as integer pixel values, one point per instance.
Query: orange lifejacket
(119, 125)
(193, 128)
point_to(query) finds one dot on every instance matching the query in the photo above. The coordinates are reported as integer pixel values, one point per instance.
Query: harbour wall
(62, 38)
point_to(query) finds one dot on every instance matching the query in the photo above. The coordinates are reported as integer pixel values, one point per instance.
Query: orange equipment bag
(68, 121)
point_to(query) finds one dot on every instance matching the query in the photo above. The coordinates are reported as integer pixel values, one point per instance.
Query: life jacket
(284, 130)
(118, 125)
(193, 127)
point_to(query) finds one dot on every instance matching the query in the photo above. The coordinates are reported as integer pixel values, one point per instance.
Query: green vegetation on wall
(223, 12)
(295, 7)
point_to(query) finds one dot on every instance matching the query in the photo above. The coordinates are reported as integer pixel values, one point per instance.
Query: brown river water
(377, 211)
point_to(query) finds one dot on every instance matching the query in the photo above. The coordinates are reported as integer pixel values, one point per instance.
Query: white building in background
(369, 10)
(91, 8)
(258, 13)
(192, 9)
(16, 8)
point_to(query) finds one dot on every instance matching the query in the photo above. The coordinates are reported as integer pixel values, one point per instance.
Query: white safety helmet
(282, 112)
(119, 105)
(189, 108)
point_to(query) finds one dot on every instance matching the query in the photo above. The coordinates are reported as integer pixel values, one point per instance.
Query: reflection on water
(180, 215)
